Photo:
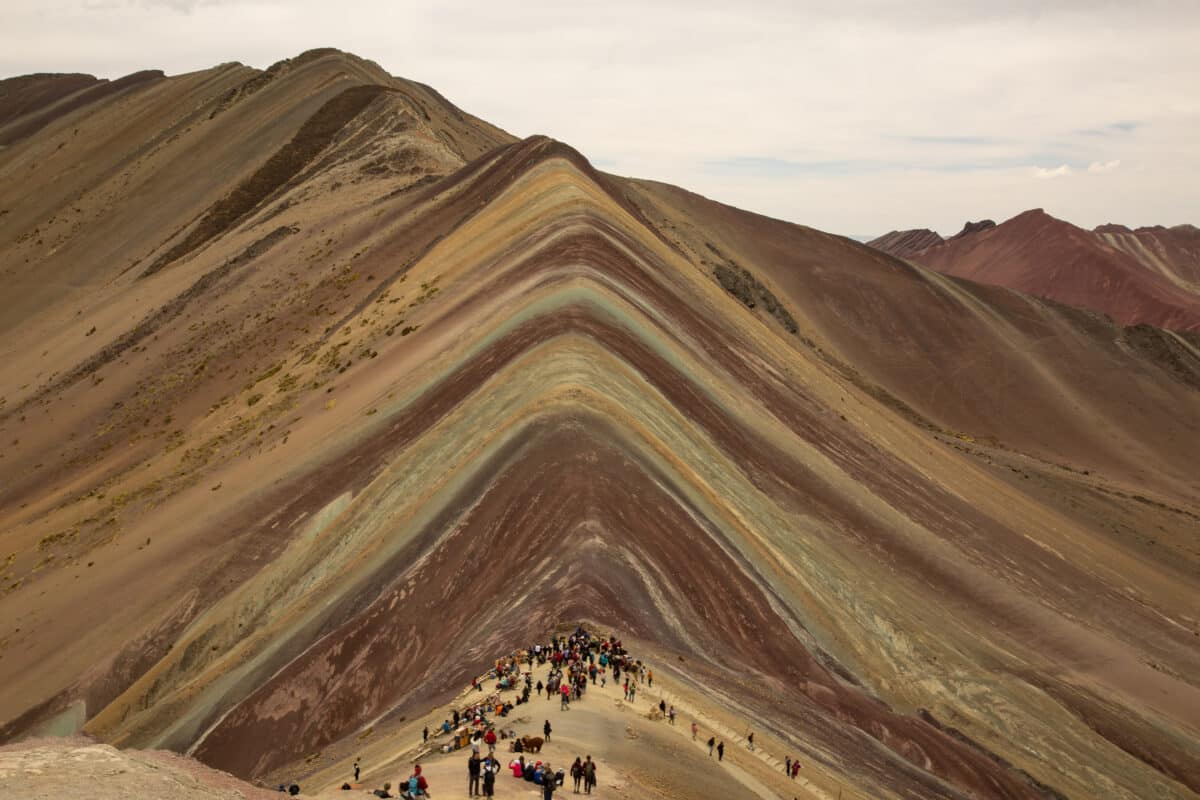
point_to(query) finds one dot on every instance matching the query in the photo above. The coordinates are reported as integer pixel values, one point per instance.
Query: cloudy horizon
(857, 120)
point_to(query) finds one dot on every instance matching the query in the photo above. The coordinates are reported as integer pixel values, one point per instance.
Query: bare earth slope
(1148, 276)
(904, 244)
(76, 766)
(292, 452)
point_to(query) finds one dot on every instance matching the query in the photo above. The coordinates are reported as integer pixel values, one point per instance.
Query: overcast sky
(854, 116)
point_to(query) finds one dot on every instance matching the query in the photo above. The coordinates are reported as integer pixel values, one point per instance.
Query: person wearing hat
(417, 785)
(490, 768)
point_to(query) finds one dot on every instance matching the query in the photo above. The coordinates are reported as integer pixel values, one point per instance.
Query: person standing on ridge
(721, 751)
(577, 773)
(356, 770)
(712, 742)
(546, 730)
(695, 729)
(750, 740)
(589, 775)
(490, 767)
(474, 767)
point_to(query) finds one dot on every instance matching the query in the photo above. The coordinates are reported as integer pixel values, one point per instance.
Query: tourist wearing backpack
(490, 768)
(589, 775)
(417, 785)
(577, 773)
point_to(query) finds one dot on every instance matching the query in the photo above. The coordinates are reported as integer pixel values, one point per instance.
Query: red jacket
(490, 737)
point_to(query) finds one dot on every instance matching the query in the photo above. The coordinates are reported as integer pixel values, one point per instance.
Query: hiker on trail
(671, 715)
(474, 766)
(356, 770)
(546, 730)
(795, 768)
(577, 773)
(632, 692)
(787, 766)
(649, 677)
(750, 740)
(589, 775)
(662, 707)
(424, 738)
(457, 718)
(627, 688)
(721, 751)
(490, 768)
(695, 730)
(490, 739)
(417, 785)
(548, 783)
(712, 742)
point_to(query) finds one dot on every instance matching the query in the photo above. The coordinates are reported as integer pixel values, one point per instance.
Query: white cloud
(1060, 171)
(1104, 166)
(960, 100)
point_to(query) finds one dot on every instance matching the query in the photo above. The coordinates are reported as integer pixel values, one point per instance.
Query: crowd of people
(571, 664)
(540, 773)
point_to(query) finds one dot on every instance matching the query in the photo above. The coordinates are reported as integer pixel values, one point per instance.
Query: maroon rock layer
(1149, 276)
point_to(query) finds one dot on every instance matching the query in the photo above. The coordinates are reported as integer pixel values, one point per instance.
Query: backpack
(414, 786)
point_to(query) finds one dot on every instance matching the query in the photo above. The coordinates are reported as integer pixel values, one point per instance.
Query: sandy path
(635, 755)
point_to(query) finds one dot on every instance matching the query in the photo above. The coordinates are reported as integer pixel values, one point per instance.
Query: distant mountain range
(1145, 276)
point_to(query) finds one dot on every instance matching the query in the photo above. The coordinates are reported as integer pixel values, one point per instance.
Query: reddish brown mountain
(1151, 275)
(905, 244)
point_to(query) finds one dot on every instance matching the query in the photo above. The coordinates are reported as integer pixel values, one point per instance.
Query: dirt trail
(635, 754)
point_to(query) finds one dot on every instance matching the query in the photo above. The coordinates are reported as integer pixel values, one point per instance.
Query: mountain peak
(974, 227)
(904, 244)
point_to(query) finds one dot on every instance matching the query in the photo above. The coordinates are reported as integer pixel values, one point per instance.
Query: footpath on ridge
(637, 751)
